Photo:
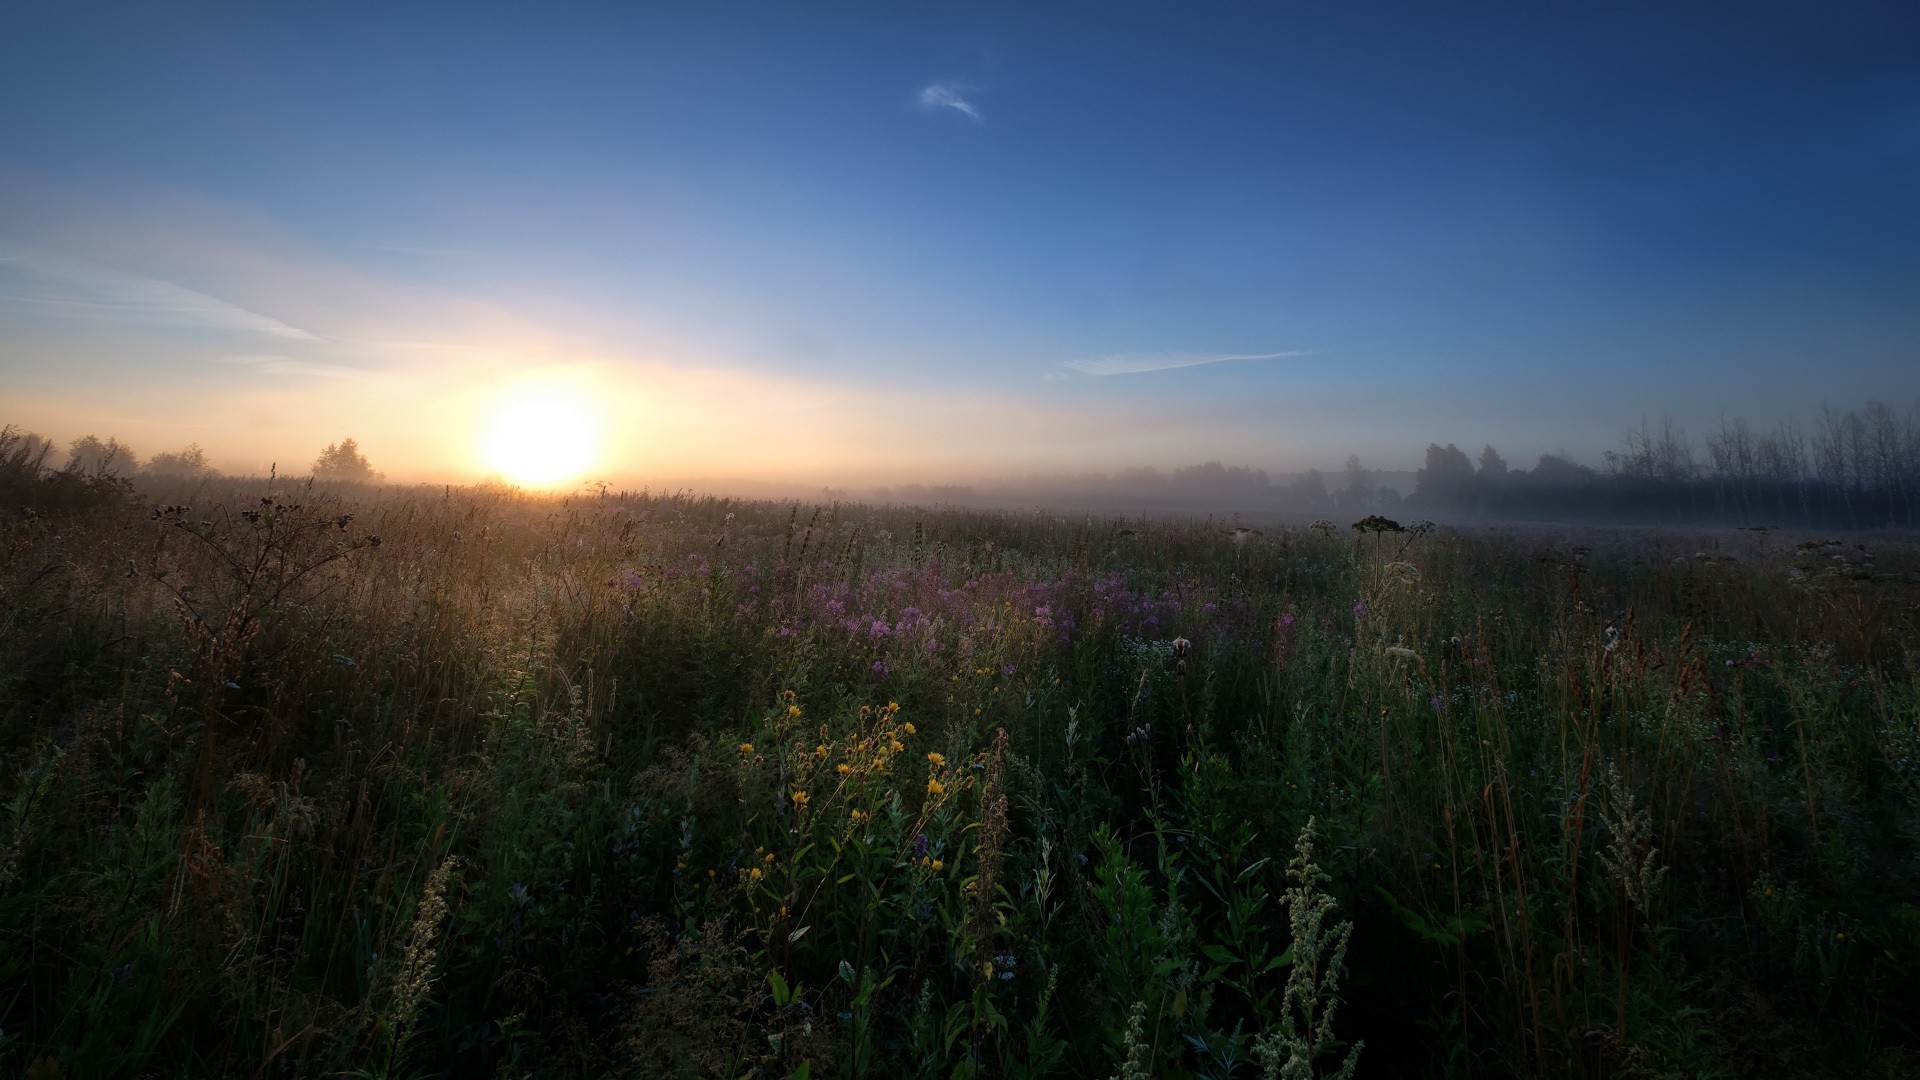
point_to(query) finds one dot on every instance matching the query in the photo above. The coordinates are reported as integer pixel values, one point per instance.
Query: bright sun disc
(541, 440)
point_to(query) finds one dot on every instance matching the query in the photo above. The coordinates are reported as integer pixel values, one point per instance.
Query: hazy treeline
(1210, 486)
(29, 454)
(1853, 469)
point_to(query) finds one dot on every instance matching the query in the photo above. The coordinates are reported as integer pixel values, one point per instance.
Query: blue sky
(988, 238)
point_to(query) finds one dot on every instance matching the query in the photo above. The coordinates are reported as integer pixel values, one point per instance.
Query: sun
(541, 438)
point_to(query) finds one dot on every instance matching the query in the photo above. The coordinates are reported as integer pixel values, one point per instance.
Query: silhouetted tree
(1446, 478)
(88, 454)
(190, 461)
(343, 462)
(1308, 491)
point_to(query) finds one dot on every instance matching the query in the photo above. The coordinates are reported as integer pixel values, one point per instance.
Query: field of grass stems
(424, 782)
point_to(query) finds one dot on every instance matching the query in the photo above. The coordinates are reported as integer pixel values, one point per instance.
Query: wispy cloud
(947, 95)
(293, 367)
(46, 283)
(1136, 363)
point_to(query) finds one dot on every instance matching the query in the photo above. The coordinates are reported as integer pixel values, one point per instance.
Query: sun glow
(541, 438)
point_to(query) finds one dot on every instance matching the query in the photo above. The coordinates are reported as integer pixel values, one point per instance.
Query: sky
(949, 241)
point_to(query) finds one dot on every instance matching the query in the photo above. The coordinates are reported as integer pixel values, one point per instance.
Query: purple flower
(920, 846)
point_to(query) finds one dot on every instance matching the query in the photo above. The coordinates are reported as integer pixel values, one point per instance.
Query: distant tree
(88, 454)
(1559, 470)
(1492, 465)
(188, 462)
(1360, 479)
(27, 481)
(343, 462)
(1447, 476)
(1308, 491)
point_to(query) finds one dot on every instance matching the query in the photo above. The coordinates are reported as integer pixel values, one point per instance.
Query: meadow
(419, 782)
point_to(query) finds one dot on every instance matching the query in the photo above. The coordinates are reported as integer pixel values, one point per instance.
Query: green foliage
(391, 783)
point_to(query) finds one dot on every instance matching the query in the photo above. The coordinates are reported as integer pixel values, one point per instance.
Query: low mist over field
(1854, 469)
(772, 541)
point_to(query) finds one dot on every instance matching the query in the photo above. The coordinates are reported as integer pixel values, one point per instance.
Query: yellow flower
(800, 799)
(896, 746)
(769, 857)
(909, 728)
(938, 865)
(820, 751)
(755, 874)
(858, 816)
(793, 710)
(746, 748)
(939, 760)
(935, 787)
(893, 706)
(843, 768)
(786, 695)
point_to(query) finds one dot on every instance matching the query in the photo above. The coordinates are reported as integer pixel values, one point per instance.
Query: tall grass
(473, 783)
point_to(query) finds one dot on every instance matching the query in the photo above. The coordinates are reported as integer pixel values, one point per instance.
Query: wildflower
(769, 855)
(755, 874)
(800, 800)
(820, 751)
(896, 746)
(793, 711)
(920, 845)
(935, 787)
(746, 748)
(909, 728)
(938, 865)
(939, 760)
(786, 695)
(859, 816)
(843, 768)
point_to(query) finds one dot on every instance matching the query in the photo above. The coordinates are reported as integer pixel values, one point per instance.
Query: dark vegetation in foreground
(310, 783)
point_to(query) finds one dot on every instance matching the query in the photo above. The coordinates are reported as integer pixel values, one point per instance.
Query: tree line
(1856, 469)
(90, 455)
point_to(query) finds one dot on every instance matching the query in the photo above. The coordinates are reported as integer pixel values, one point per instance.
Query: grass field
(473, 783)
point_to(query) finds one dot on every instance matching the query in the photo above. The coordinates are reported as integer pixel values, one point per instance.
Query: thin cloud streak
(44, 283)
(292, 367)
(942, 95)
(1137, 363)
